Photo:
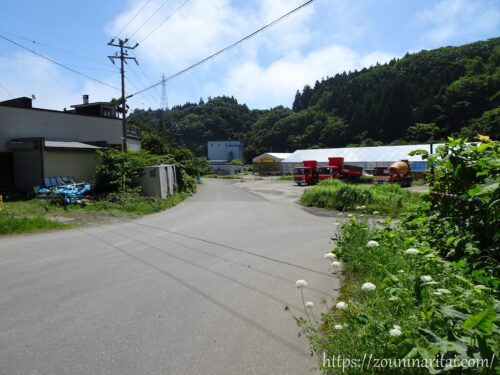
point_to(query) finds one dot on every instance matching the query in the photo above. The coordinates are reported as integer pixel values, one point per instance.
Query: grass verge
(38, 215)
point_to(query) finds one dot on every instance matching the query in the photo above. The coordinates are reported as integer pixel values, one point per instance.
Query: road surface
(197, 289)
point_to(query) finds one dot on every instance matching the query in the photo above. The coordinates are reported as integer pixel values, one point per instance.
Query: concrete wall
(56, 126)
(225, 150)
(79, 164)
(226, 168)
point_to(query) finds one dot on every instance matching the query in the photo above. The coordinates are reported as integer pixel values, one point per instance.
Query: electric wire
(166, 19)
(145, 22)
(225, 49)
(54, 48)
(46, 62)
(7, 91)
(58, 63)
(134, 17)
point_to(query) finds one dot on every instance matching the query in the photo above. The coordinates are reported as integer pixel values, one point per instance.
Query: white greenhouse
(366, 157)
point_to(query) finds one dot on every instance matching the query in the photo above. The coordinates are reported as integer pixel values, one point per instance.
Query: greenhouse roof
(360, 154)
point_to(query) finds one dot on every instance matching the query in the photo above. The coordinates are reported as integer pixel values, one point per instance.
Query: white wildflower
(395, 326)
(412, 252)
(443, 291)
(300, 283)
(336, 264)
(426, 278)
(330, 256)
(349, 215)
(309, 305)
(341, 305)
(338, 327)
(368, 287)
(438, 294)
(401, 271)
(372, 244)
(363, 207)
(375, 212)
(358, 208)
(396, 331)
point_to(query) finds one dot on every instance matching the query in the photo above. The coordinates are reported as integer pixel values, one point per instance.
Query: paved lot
(198, 289)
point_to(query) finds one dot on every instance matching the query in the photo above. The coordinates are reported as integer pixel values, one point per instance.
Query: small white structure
(159, 180)
(269, 163)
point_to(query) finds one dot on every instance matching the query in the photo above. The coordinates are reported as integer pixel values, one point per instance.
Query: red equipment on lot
(397, 173)
(307, 173)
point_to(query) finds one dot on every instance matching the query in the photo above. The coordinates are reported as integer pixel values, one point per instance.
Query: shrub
(417, 306)
(338, 195)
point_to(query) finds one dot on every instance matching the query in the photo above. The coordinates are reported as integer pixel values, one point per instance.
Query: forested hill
(421, 97)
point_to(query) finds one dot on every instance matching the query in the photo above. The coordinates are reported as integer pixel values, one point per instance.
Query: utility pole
(123, 56)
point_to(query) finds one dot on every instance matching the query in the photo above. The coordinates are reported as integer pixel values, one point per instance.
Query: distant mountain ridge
(424, 96)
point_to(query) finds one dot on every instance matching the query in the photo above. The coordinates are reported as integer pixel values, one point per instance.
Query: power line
(166, 19)
(7, 91)
(55, 48)
(142, 83)
(133, 18)
(72, 66)
(57, 63)
(228, 47)
(145, 22)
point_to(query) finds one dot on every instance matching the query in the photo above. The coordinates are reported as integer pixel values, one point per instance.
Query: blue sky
(325, 38)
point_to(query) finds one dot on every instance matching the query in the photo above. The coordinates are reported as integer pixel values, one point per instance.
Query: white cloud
(449, 19)
(277, 83)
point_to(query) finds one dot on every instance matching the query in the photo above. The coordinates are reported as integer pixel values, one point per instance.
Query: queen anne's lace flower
(338, 327)
(330, 256)
(309, 305)
(300, 283)
(368, 287)
(443, 291)
(375, 212)
(426, 278)
(341, 305)
(372, 244)
(395, 331)
(412, 252)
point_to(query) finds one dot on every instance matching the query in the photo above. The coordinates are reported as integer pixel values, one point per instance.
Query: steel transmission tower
(164, 99)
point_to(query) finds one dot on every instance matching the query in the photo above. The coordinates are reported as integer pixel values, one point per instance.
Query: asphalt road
(197, 289)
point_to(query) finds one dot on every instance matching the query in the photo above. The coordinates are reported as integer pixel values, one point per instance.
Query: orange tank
(400, 167)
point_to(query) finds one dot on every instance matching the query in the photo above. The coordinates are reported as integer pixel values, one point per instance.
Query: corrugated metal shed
(366, 157)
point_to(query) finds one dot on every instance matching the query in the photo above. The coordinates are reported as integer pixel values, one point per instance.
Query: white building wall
(57, 126)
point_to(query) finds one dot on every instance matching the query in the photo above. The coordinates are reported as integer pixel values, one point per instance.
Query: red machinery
(306, 173)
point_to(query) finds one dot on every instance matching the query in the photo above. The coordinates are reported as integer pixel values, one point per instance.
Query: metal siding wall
(79, 164)
(29, 123)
